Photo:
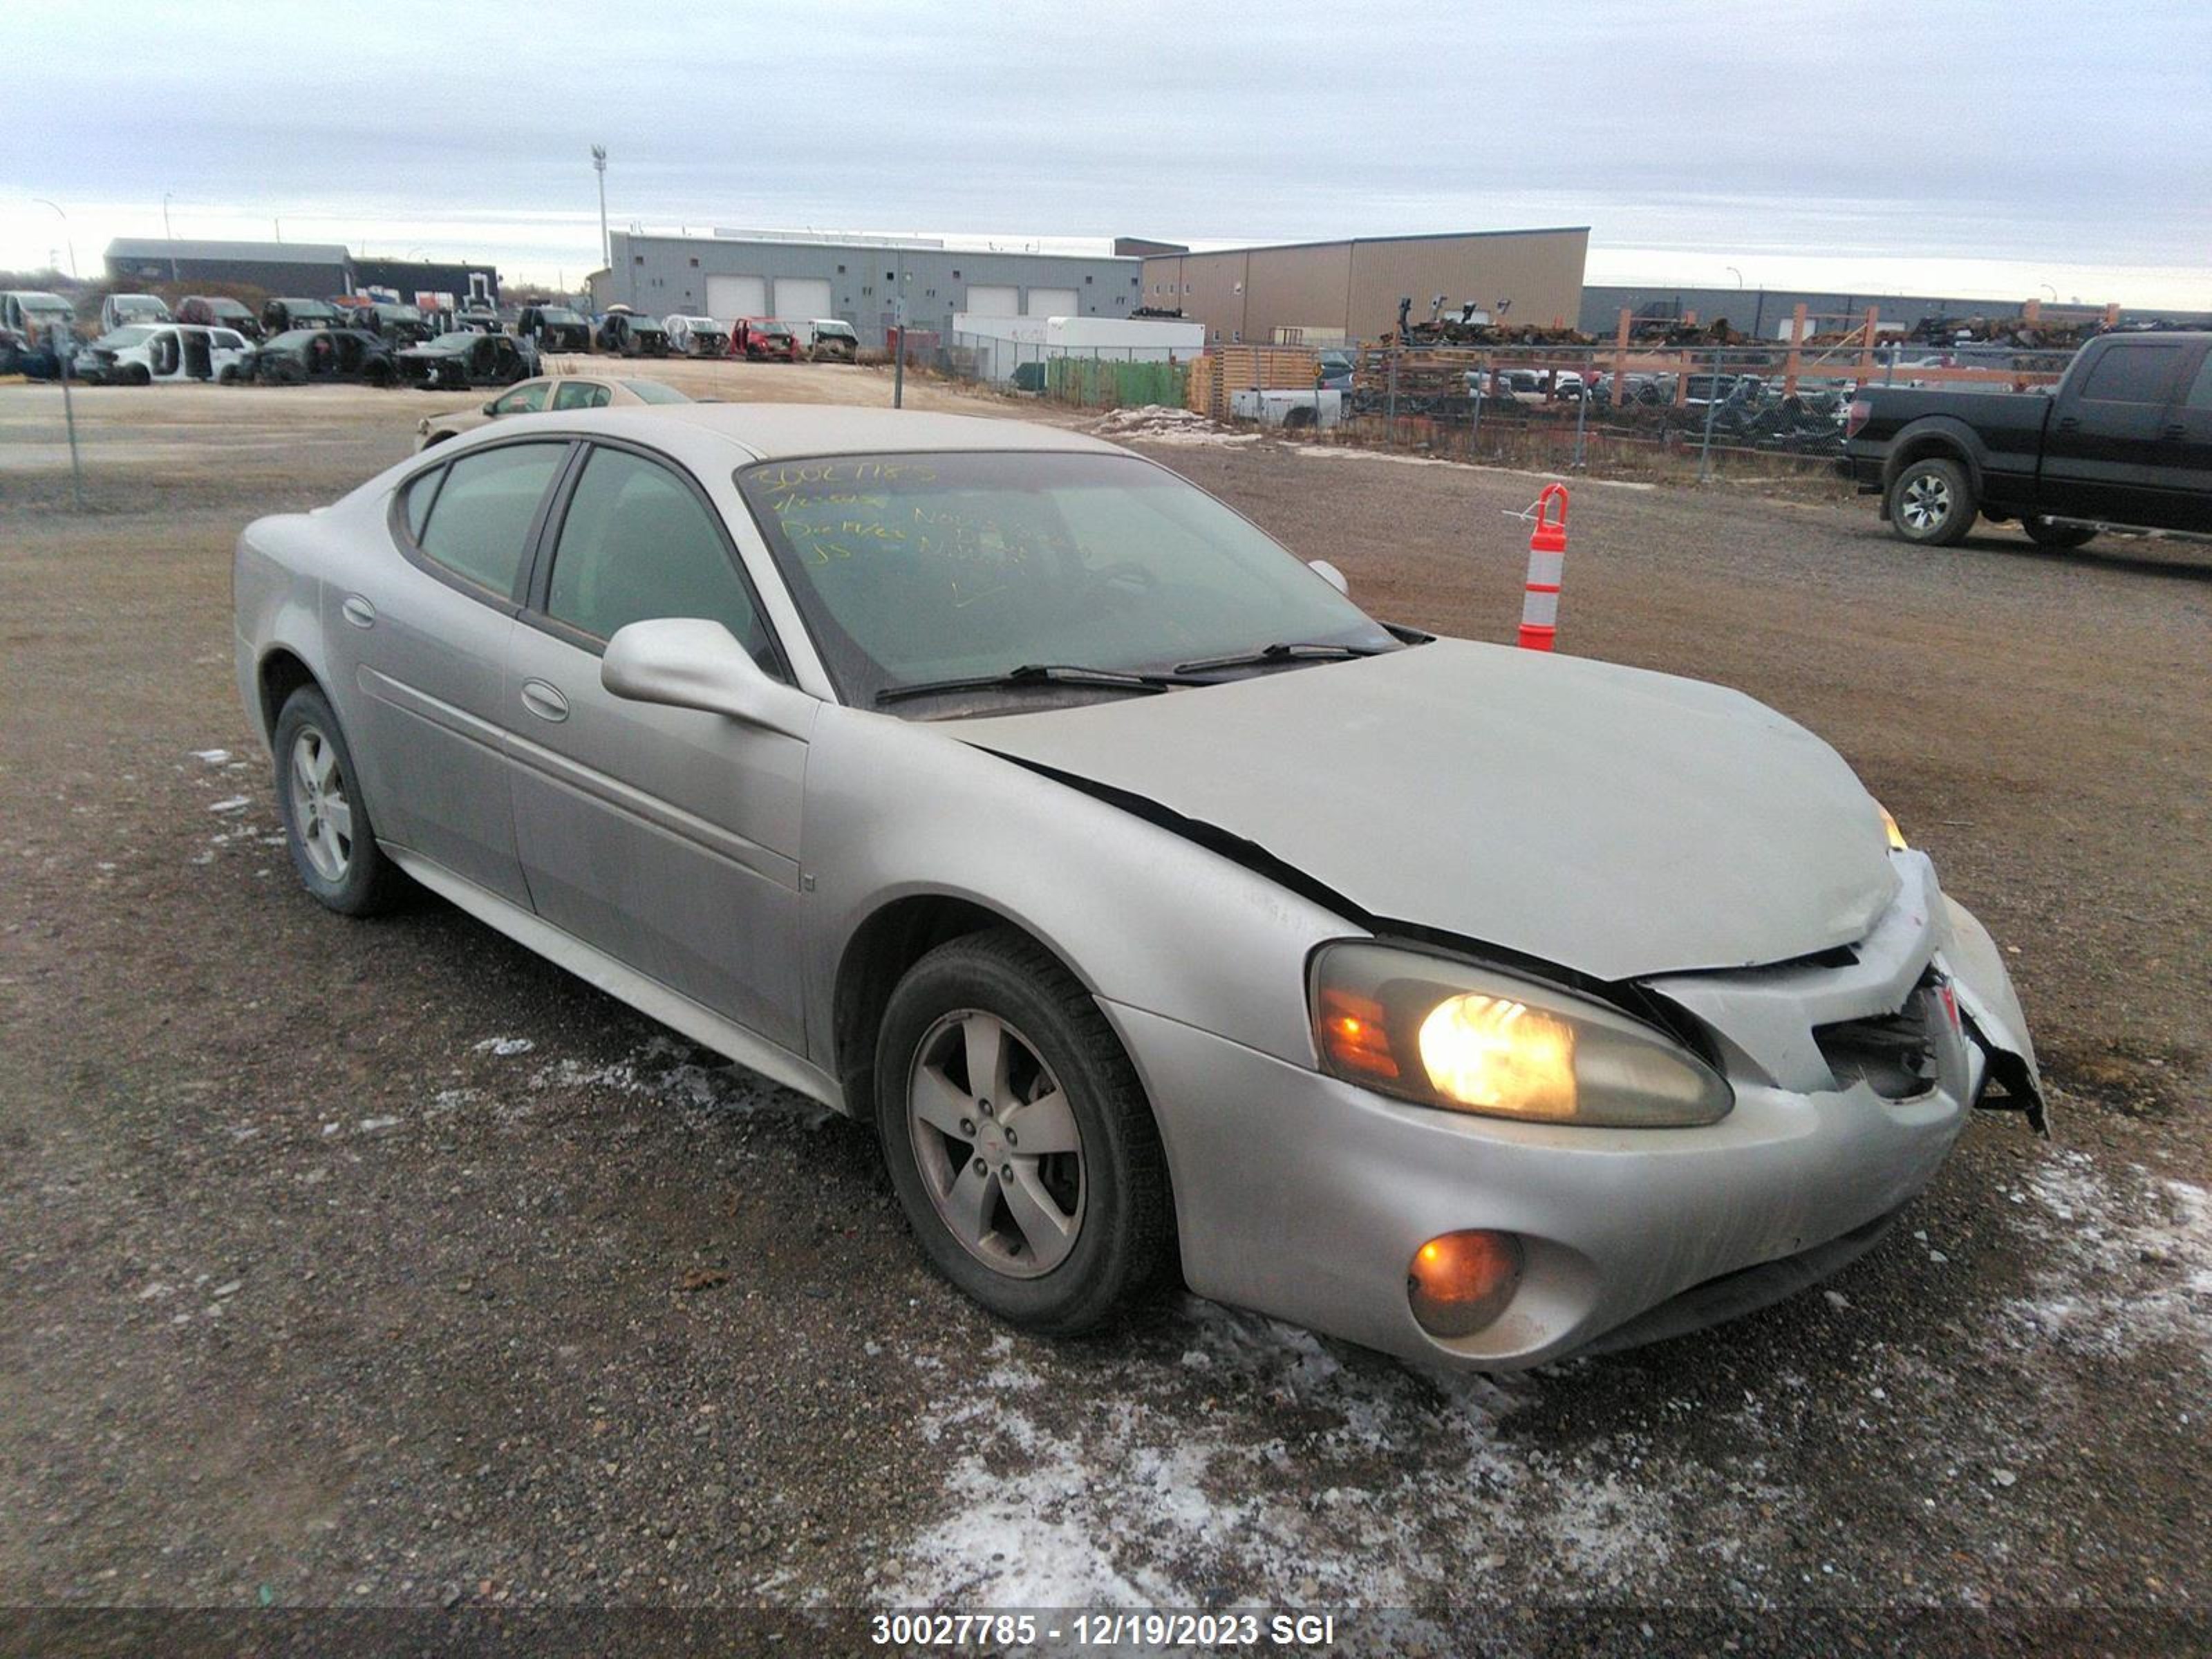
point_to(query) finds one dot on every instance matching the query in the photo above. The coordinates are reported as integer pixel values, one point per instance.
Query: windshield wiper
(1038, 673)
(1280, 652)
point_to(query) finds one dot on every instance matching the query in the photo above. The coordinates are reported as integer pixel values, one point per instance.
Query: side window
(523, 400)
(636, 544)
(2133, 374)
(579, 394)
(479, 525)
(2200, 394)
(420, 495)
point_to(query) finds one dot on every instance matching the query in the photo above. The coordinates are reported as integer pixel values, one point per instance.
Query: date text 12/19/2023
(1109, 1630)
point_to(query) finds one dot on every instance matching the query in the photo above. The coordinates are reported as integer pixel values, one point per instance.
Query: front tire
(1017, 1137)
(1931, 503)
(2056, 534)
(327, 824)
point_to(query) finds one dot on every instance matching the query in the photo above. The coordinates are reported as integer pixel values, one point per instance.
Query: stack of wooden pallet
(1226, 370)
(1428, 382)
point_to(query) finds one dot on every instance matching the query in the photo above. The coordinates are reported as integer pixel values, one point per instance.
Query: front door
(667, 837)
(421, 636)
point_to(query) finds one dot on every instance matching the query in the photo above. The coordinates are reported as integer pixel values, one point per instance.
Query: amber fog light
(1458, 1283)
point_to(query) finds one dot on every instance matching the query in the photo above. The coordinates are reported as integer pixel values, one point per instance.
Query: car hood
(1609, 820)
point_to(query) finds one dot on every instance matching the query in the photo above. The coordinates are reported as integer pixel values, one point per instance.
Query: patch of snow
(1137, 1481)
(230, 804)
(212, 756)
(2126, 1259)
(504, 1047)
(665, 1069)
(1159, 423)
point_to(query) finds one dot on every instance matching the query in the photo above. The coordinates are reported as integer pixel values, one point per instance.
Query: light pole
(170, 234)
(66, 237)
(606, 243)
(1734, 272)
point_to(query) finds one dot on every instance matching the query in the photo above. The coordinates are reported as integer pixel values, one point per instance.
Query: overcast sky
(1980, 149)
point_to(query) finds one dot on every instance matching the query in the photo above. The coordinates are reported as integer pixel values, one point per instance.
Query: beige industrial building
(1244, 296)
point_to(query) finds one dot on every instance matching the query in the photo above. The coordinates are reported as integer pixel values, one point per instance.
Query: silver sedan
(1161, 911)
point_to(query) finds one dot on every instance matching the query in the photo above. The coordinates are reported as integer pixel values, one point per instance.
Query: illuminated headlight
(1451, 1034)
(1897, 843)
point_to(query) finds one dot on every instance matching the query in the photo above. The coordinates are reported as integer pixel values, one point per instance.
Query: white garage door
(995, 301)
(798, 298)
(1055, 302)
(729, 297)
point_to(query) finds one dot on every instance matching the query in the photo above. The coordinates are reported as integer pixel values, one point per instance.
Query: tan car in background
(546, 392)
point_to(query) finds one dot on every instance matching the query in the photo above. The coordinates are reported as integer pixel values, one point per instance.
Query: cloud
(2012, 131)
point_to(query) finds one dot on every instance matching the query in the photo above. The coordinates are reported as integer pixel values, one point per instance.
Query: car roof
(779, 431)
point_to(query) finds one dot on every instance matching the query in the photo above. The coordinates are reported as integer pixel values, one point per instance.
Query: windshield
(835, 331)
(919, 568)
(399, 313)
(46, 305)
(775, 331)
(556, 315)
(116, 338)
(651, 391)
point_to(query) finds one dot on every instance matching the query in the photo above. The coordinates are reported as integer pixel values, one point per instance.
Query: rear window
(2133, 374)
(651, 391)
(478, 525)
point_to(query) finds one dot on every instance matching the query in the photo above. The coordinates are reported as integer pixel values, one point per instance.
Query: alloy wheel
(322, 813)
(997, 1144)
(1926, 502)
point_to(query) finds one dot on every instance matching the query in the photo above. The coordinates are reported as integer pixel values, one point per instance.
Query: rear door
(2188, 451)
(666, 837)
(422, 636)
(2101, 448)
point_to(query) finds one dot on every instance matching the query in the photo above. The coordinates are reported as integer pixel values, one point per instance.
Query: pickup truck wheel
(2055, 533)
(1931, 503)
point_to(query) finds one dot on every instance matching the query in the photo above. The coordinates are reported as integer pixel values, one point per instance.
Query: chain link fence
(1088, 377)
(1572, 407)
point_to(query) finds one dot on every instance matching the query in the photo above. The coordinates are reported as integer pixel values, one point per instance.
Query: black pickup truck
(2125, 438)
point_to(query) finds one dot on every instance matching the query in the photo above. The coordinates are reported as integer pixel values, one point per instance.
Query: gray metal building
(313, 270)
(751, 274)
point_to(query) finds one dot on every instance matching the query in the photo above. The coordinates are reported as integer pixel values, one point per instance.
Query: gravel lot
(383, 1266)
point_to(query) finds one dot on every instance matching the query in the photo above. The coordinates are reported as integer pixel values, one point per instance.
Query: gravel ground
(383, 1266)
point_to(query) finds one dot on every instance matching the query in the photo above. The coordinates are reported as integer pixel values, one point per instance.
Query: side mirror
(688, 662)
(1329, 573)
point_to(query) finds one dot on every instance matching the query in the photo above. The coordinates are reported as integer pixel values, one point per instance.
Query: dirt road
(383, 1264)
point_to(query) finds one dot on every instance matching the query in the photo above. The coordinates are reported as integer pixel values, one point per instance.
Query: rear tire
(2056, 534)
(1931, 503)
(1056, 1236)
(326, 823)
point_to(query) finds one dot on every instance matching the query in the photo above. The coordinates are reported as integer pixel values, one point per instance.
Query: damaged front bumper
(1306, 1197)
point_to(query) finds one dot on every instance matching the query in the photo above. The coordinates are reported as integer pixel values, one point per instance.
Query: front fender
(1141, 916)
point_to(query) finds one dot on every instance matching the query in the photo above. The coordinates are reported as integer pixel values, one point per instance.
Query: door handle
(544, 700)
(2174, 429)
(358, 611)
(2069, 423)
